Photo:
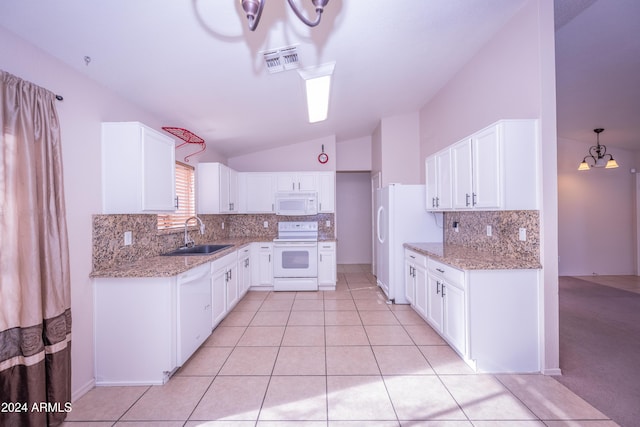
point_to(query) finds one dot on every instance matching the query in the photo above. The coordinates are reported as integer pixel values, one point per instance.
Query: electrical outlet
(327, 223)
(265, 224)
(522, 234)
(489, 231)
(222, 225)
(128, 238)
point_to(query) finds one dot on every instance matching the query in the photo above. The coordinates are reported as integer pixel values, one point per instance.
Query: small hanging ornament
(323, 157)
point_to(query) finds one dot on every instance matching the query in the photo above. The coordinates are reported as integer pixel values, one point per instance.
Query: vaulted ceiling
(196, 65)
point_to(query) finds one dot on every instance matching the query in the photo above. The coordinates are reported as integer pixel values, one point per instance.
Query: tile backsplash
(108, 234)
(504, 239)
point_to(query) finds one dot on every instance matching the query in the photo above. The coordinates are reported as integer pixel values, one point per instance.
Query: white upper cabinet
(438, 170)
(495, 168)
(220, 189)
(138, 169)
(326, 192)
(297, 181)
(216, 189)
(256, 192)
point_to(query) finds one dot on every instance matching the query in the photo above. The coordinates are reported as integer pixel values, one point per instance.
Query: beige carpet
(600, 347)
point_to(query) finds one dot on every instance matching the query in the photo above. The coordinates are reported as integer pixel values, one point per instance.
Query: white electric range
(295, 253)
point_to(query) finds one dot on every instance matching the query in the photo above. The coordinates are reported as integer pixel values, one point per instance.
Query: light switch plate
(128, 238)
(489, 231)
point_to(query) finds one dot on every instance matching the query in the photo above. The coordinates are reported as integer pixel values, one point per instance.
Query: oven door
(295, 259)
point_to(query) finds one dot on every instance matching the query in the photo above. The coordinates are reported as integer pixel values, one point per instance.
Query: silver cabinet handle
(440, 270)
(437, 287)
(467, 199)
(474, 199)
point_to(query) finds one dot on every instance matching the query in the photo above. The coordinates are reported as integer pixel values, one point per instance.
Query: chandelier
(598, 153)
(253, 9)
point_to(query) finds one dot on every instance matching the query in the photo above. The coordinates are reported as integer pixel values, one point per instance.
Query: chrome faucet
(188, 242)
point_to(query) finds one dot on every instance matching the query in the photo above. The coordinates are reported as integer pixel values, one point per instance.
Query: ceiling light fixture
(318, 88)
(253, 10)
(598, 153)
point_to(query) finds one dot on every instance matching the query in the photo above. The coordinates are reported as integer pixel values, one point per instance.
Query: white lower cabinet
(224, 286)
(446, 303)
(416, 280)
(244, 270)
(327, 268)
(490, 317)
(262, 265)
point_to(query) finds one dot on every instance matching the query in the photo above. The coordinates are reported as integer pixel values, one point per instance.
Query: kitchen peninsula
(483, 303)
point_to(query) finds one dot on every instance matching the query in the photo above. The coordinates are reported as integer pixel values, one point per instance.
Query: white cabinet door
(159, 173)
(297, 181)
(454, 324)
(244, 273)
(461, 160)
(434, 301)
(486, 169)
(233, 191)
(138, 169)
(326, 192)
(232, 285)
(259, 192)
(431, 170)
(262, 271)
(445, 184)
(327, 268)
(307, 181)
(409, 282)
(439, 182)
(216, 189)
(421, 297)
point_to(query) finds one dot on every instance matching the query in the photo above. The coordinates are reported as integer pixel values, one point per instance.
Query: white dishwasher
(194, 310)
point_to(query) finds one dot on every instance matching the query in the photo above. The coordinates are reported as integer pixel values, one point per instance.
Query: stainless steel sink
(197, 250)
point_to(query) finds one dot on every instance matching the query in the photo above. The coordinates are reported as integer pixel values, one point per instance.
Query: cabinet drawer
(450, 274)
(419, 259)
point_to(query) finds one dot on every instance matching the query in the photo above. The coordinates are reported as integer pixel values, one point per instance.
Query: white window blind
(185, 194)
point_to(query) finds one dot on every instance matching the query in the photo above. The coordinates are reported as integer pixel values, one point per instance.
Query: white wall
(354, 155)
(395, 143)
(302, 156)
(86, 105)
(512, 76)
(596, 213)
(353, 217)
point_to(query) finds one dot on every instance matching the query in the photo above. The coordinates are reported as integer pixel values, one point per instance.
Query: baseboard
(553, 371)
(77, 394)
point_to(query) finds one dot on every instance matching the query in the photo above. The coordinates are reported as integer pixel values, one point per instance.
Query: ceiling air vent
(282, 59)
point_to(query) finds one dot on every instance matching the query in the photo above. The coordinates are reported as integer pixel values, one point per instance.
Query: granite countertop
(472, 259)
(167, 266)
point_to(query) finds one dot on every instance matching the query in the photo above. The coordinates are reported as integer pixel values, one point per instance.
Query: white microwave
(300, 203)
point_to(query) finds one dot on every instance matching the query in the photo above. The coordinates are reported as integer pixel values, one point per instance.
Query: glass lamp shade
(611, 164)
(584, 166)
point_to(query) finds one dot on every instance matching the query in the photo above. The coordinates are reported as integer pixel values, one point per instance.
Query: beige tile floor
(333, 359)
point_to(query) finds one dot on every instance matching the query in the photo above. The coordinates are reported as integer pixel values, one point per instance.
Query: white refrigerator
(400, 217)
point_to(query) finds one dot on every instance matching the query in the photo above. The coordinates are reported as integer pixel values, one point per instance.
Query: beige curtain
(35, 314)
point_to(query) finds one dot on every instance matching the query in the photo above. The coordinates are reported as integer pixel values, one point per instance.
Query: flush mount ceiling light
(317, 83)
(253, 10)
(598, 153)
